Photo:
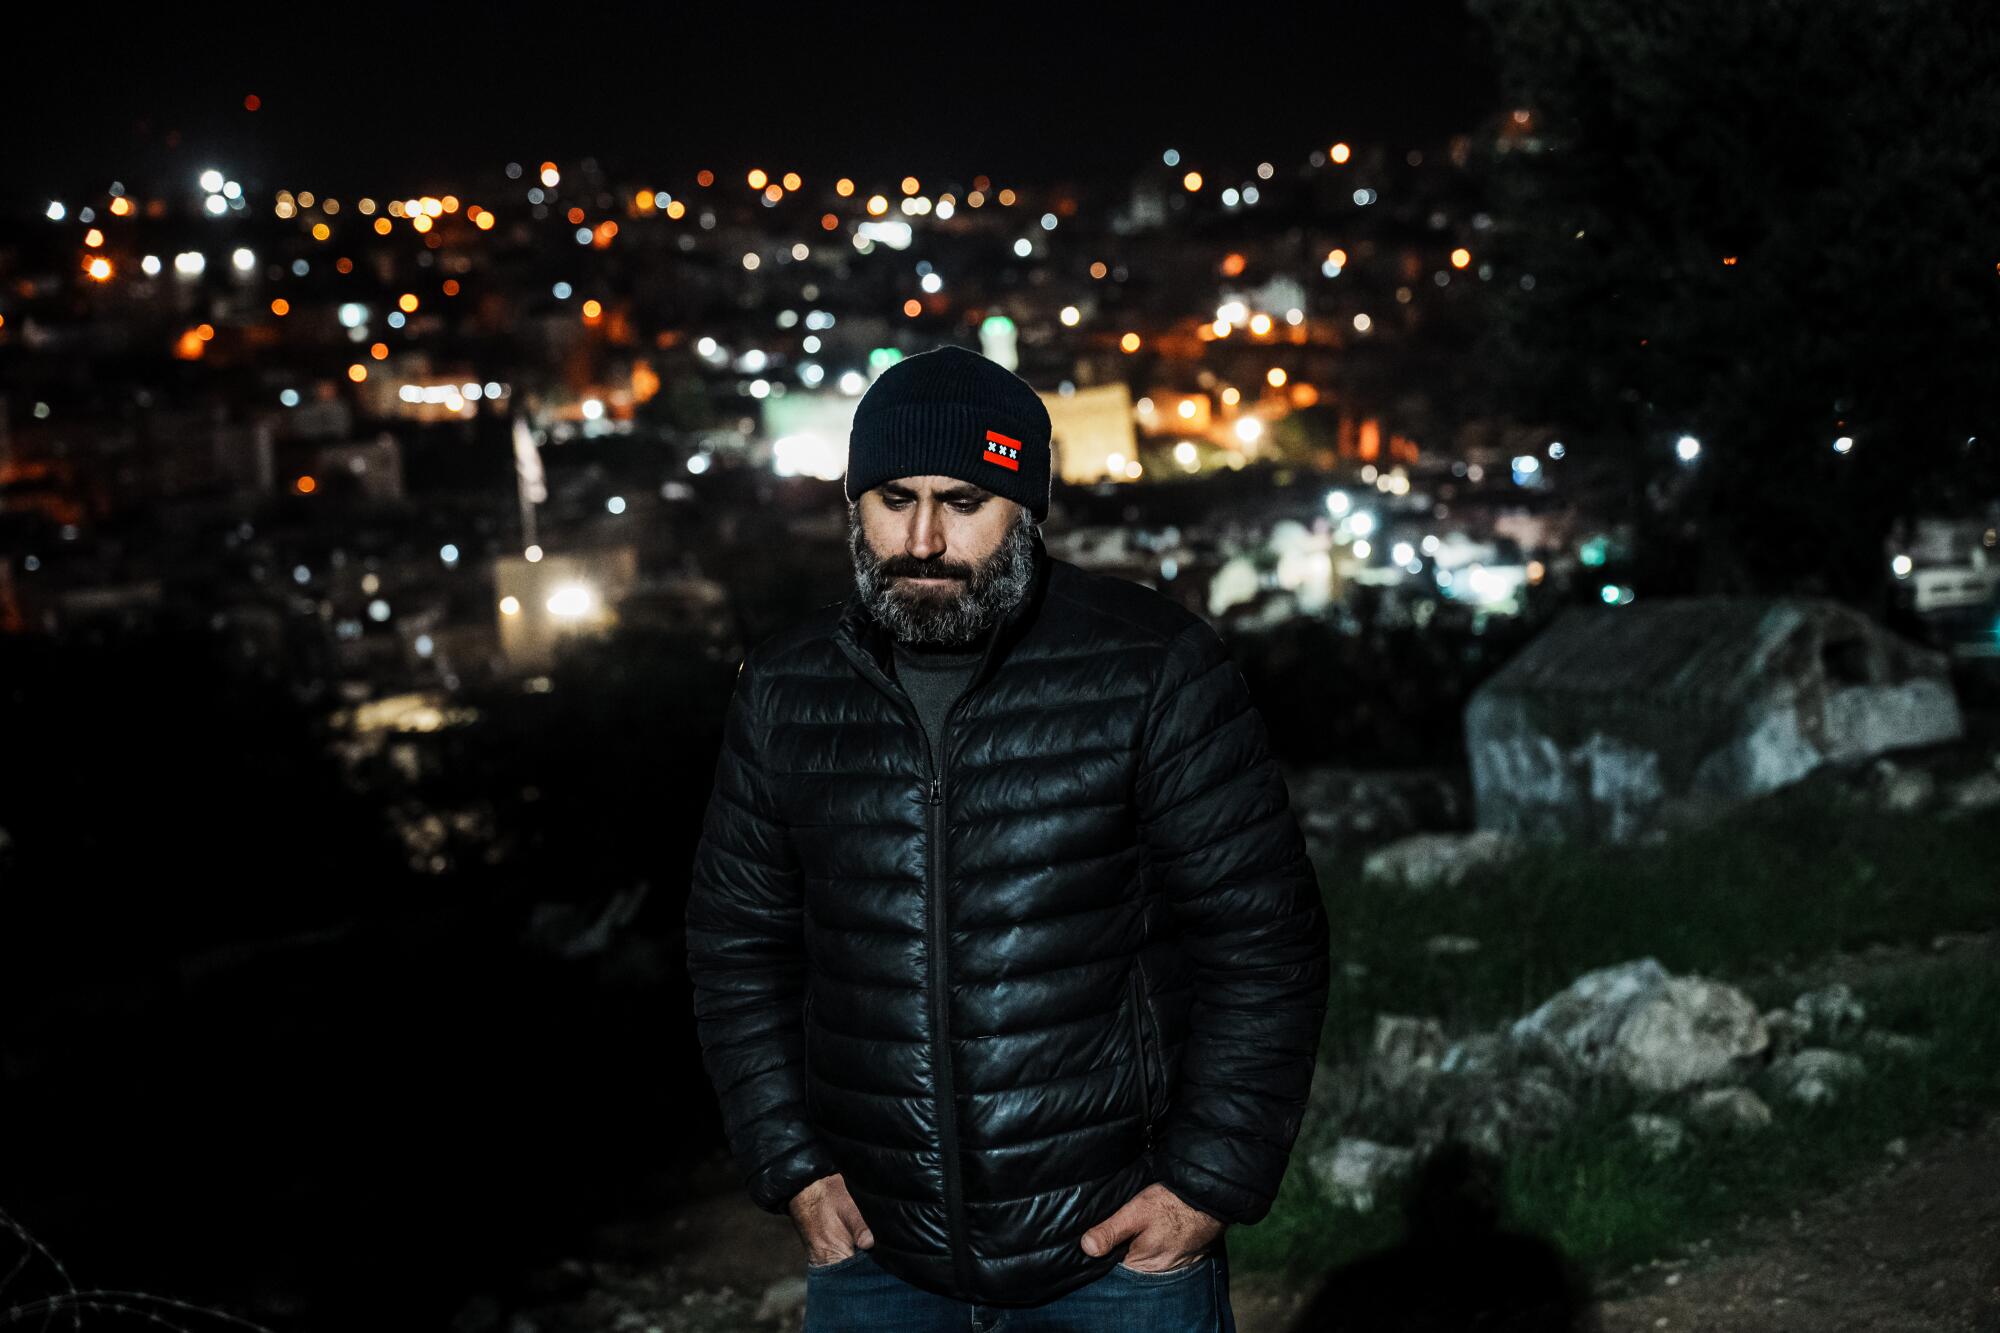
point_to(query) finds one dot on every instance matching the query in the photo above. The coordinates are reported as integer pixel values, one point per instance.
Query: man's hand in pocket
(829, 1221)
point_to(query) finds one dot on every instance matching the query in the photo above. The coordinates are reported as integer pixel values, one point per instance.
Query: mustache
(903, 569)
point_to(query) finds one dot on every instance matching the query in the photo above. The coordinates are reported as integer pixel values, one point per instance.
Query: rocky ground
(1912, 1244)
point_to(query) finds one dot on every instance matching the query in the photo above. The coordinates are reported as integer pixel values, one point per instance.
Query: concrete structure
(1616, 716)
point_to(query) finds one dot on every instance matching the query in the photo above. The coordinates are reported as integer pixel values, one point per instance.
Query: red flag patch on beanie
(1003, 449)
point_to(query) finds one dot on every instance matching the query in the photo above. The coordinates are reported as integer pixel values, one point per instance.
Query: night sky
(398, 97)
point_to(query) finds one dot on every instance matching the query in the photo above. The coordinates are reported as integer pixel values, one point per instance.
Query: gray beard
(955, 619)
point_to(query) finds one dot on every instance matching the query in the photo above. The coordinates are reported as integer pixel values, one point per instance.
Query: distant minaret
(528, 477)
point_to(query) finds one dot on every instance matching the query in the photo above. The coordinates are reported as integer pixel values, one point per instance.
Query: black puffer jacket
(1002, 1000)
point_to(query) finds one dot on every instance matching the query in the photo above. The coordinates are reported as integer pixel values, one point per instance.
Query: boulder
(1814, 1075)
(1437, 860)
(1831, 1011)
(1728, 1111)
(1635, 1022)
(1496, 1114)
(1660, 1135)
(1358, 1173)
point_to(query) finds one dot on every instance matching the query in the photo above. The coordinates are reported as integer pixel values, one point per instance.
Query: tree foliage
(1767, 226)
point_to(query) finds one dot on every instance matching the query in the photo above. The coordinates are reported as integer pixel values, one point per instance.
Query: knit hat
(951, 412)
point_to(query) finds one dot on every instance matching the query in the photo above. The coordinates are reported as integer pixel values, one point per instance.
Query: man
(1009, 962)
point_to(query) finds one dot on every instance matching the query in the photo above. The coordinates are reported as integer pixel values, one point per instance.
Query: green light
(1592, 551)
(996, 324)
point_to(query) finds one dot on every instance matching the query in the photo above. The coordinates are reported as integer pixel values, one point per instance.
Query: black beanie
(951, 412)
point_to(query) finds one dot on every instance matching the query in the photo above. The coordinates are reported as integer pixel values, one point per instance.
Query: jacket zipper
(954, 1199)
(1139, 1050)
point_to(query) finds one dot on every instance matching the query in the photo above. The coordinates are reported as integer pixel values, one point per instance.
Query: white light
(932, 282)
(472, 392)
(1230, 198)
(150, 266)
(494, 389)
(1687, 447)
(300, 574)
(1172, 157)
(1185, 453)
(1902, 565)
(211, 180)
(1232, 312)
(852, 381)
(1338, 503)
(1048, 222)
(1071, 316)
(890, 232)
(572, 601)
(378, 610)
(592, 409)
(244, 260)
(1362, 323)
(616, 504)
(705, 347)
(1115, 462)
(448, 553)
(809, 455)
(1402, 553)
(698, 463)
(811, 343)
(216, 205)
(510, 606)
(1556, 449)
(1361, 522)
(1527, 463)
(1249, 430)
(1362, 550)
(561, 291)
(1843, 444)
(760, 388)
(56, 212)
(1295, 316)
(532, 554)
(583, 235)
(811, 373)
(231, 190)
(424, 645)
(189, 263)
(410, 393)
(752, 361)
(1024, 247)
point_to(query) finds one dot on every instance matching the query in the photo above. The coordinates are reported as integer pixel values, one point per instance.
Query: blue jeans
(858, 1295)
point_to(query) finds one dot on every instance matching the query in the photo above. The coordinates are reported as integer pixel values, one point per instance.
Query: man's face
(938, 560)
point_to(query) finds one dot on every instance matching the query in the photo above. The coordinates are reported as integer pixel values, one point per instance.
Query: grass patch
(1596, 1194)
(1800, 874)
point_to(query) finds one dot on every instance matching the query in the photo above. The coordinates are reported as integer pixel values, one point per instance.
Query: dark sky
(388, 98)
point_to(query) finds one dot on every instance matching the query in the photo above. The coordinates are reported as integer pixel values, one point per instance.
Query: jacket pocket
(1151, 1079)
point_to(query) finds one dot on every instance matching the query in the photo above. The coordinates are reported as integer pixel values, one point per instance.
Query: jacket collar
(870, 647)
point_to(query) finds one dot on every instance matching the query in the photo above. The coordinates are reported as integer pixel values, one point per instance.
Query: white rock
(1357, 1173)
(1437, 860)
(1895, 1045)
(1981, 791)
(1406, 1050)
(1829, 1011)
(1661, 1135)
(1814, 1075)
(1728, 1110)
(1697, 1031)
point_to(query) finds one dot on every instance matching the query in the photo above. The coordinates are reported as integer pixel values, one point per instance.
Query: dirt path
(1913, 1245)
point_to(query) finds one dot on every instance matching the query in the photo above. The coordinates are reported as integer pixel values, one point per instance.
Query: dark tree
(1769, 226)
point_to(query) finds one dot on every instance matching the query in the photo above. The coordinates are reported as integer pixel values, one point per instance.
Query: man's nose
(926, 534)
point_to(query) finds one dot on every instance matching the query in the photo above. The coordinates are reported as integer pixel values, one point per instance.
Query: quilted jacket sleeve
(746, 958)
(1229, 856)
